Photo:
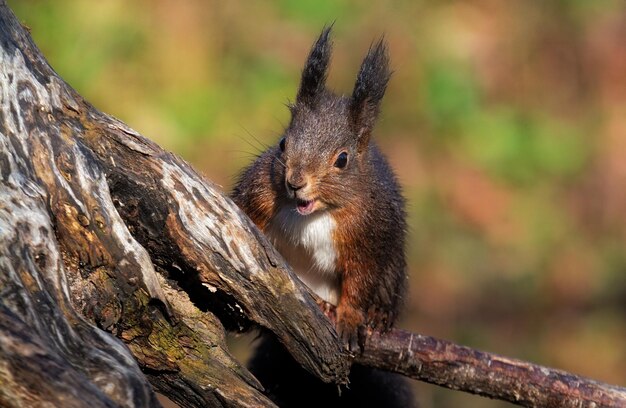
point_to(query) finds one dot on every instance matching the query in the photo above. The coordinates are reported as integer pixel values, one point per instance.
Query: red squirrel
(328, 200)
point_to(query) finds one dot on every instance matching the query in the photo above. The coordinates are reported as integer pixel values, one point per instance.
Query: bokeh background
(505, 121)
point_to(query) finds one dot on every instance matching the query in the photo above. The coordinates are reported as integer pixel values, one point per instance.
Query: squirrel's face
(320, 160)
(322, 157)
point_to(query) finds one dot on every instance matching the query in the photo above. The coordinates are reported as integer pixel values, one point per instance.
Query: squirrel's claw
(329, 310)
(350, 325)
(351, 340)
(379, 320)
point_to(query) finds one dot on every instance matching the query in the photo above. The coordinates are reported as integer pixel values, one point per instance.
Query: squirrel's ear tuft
(369, 89)
(315, 70)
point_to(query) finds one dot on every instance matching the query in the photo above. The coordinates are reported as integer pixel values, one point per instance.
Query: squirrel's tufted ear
(315, 70)
(369, 90)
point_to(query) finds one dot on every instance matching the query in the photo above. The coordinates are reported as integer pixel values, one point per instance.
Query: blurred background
(505, 121)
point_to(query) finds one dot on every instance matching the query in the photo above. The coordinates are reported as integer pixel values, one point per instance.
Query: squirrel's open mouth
(305, 207)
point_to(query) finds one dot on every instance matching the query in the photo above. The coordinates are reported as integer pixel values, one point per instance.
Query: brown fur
(363, 197)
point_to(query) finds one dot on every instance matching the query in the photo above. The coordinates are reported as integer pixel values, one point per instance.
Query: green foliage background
(506, 122)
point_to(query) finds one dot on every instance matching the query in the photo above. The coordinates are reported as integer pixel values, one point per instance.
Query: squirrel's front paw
(350, 321)
(329, 310)
(379, 320)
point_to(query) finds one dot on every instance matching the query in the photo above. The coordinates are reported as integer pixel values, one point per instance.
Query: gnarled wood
(105, 235)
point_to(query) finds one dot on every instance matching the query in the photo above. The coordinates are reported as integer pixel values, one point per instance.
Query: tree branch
(461, 368)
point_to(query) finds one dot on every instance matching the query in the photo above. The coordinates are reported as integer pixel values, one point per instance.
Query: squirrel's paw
(328, 309)
(350, 322)
(379, 320)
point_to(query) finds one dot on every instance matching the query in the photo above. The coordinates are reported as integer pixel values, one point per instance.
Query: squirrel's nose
(294, 180)
(296, 185)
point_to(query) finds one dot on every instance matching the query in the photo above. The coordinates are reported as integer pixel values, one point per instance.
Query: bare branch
(461, 368)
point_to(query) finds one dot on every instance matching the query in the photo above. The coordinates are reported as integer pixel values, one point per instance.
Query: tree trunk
(106, 237)
(120, 266)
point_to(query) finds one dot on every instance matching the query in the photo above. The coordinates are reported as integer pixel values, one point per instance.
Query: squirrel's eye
(281, 144)
(342, 160)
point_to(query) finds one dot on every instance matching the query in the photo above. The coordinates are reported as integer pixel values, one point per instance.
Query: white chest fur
(306, 242)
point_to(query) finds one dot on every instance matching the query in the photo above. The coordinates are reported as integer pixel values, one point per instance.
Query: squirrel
(328, 200)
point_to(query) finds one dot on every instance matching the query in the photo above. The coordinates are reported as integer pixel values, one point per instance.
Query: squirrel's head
(324, 151)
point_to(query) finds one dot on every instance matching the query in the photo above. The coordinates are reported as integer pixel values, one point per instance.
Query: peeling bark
(120, 267)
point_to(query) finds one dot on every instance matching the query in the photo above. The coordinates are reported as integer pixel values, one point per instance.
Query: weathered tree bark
(105, 237)
(120, 266)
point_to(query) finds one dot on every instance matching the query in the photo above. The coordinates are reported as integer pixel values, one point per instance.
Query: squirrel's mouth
(305, 207)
